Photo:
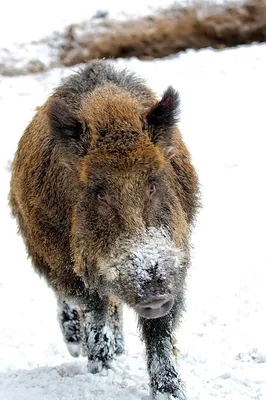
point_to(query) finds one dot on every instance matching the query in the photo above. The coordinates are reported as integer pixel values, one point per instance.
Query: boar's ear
(162, 117)
(66, 127)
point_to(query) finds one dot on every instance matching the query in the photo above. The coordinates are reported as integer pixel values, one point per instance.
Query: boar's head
(129, 234)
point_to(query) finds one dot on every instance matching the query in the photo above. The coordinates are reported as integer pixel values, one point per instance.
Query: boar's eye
(101, 196)
(152, 189)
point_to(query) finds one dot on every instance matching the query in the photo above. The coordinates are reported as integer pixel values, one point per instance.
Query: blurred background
(35, 38)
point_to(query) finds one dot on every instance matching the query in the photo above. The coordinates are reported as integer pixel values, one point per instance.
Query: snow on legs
(68, 317)
(102, 335)
(162, 355)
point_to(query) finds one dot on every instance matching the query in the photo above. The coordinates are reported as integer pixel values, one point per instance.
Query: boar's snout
(155, 307)
(146, 271)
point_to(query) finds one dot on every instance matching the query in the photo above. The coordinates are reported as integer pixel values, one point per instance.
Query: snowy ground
(222, 341)
(43, 18)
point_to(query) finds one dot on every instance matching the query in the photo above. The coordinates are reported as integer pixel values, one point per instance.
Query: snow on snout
(139, 259)
(155, 252)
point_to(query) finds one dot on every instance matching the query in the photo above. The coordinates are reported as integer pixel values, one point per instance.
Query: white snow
(222, 341)
(28, 21)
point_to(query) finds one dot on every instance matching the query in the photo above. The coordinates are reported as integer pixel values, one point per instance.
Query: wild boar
(105, 195)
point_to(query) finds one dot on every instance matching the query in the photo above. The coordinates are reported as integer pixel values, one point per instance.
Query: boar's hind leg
(68, 317)
(161, 357)
(98, 335)
(116, 322)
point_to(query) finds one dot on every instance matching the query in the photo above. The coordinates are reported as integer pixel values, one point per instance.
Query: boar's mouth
(155, 307)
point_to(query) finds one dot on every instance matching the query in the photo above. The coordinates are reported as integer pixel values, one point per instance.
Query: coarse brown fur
(82, 187)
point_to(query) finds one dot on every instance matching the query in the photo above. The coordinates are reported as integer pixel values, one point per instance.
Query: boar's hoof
(168, 396)
(94, 367)
(155, 307)
(73, 349)
(165, 396)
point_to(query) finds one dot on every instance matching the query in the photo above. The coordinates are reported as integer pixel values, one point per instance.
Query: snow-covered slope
(222, 341)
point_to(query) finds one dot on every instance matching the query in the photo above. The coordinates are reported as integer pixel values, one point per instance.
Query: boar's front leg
(102, 331)
(161, 357)
(68, 316)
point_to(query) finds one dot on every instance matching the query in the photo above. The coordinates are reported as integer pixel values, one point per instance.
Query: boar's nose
(155, 307)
